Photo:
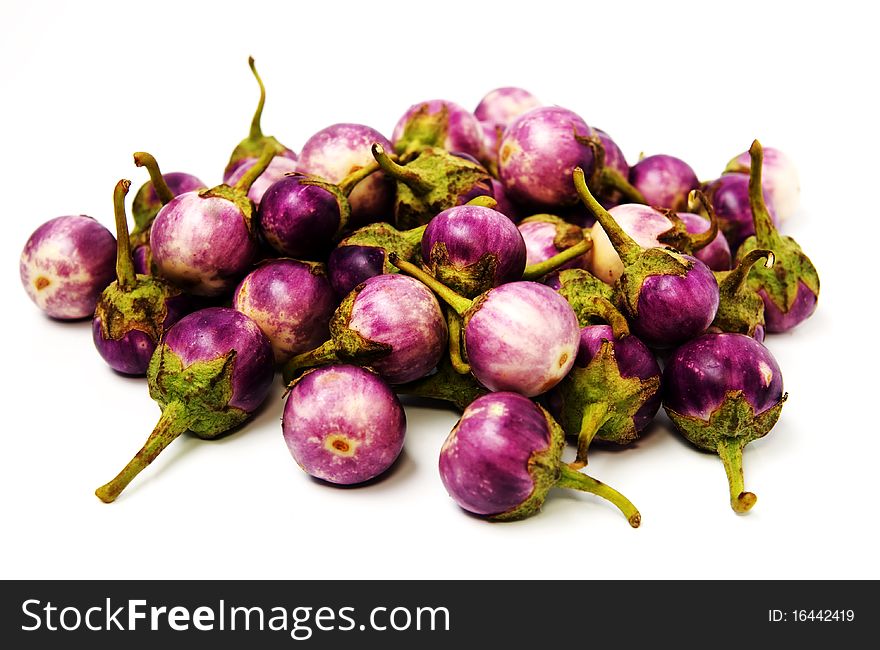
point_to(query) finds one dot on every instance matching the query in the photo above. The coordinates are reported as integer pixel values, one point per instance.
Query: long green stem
(453, 321)
(325, 353)
(173, 422)
(765, 232)
(347, 184)
(459, 303)
(540, 269)
(406, 176)
(125, 275)
(626, 247)
(731, 451)
(610, 178)
(143, 159)
(735, 280)
(572, 479)
(256, 129)
(252, 174)
(594, 416)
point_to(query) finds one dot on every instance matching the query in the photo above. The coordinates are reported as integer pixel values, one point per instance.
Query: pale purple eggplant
(504, 455)
(65, 265)
(291, 301)
(546, 235)
(205, 242)
(433, 181)
(339, 150)
(665, 181)
(278, 168)
(780, 179)
(438, 123)
(538, 152)
(790, 290)
(503, 105)
(254, 145)
(729, 195)
(520, 336)
(613, 391)
(667, 297)
(134, 311)
(210, 372)
(391, 323)
(723, 391)
(343, 424)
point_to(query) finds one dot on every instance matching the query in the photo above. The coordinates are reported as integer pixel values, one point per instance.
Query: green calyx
(340, 196)
(423, 129)
(432, 182)
(548, 471)
(194, 398)
(446, 384)
(792, 266)
(405, 243)
(606, 181)
(462, 306)
(580, 288)
(740, 308)
(730, 427)
(653, 261)
(469, 280)
(253, 145)
(678, 236)
(597, 402)
(567, 234)
(345, 345)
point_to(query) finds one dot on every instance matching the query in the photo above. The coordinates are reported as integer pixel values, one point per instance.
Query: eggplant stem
(322, 355)
(483, 201)
(625, 245)
(143, 159)
(453, 321)
(734, 281)
(347, 184)
(459, 303)
(406, 176)
(572, 479)
(765, 232)
(256, 129)
(731, 451)
(252, 174)
(540, 269)
(594, 416)
(125, 275)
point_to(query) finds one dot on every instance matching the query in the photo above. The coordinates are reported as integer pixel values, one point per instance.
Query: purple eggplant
(740, 309)
(301, 215)
(613, 391)
(438, 123)
(790, 290)
(341, 149)
(253, 146)
(538, 152)
(278, 168)
(504, 456)
(343, 424)
(664, 181)
(546, 235)
(391, 323)
(520, 336)
(291, 301)
(133, 312)
(433, 181)
(210, 372)
(471, 248)
(152, 195)
(649, 228)
(503, 105)
(667, 297)
(205, 241)
(780, 179)
(65, 265)
(729, 195)
(723, 391)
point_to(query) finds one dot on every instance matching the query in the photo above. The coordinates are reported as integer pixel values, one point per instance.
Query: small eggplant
(664, 181)
(438, 123)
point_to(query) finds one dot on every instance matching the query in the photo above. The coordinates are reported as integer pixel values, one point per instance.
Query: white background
(86, 84)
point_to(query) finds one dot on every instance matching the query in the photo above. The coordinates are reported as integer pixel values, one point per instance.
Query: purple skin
(337, 151)
(716, 255)
(491, 138)
(142, 258)
(538, 153)
(664, 181)
(291, 301)
(469, 232)
(634, 359)
(779, 179)
(343, 424)
(348, 266)
(279, 166)
(503, 105)
(229, 174)
(484, 463)
(178, 182)
(505, 206)
(298, 219)
(703, 371)
(802, 308)
(403, 313)
(673, 308)
(463, 131)
(729, 195)
(540, 243)
(131, 354)
(214, 332)
(521, 337)
(66, 264)
(202, 244)
(614, 157)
